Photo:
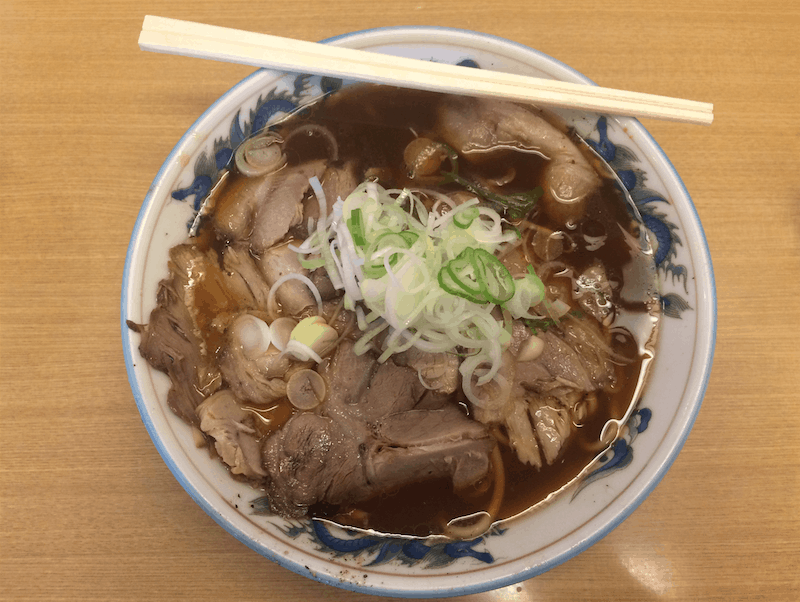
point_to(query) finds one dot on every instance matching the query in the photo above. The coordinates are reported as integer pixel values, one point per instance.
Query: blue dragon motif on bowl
(663, 233)
(332, 538)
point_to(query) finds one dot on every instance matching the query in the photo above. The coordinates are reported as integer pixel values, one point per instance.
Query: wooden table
(89, 511)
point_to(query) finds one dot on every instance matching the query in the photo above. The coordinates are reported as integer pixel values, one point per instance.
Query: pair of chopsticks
(172, 36)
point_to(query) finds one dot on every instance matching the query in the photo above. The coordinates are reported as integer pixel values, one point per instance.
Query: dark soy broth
(372, 126)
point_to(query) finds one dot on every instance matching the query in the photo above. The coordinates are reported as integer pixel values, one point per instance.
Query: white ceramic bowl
(527, 546)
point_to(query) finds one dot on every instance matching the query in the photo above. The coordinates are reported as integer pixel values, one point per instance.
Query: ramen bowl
(522, 547)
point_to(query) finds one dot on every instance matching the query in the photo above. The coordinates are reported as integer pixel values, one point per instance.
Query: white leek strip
(436, 208)
(435, 194)
(495, 354)
(459, 338)
(342, 281)
(348, 247)
(372, 190)
(423, 383)
(398, 194)
(335, 270)
(410, 318)
(323, 206)
(301, 351)
(467, 370)
(348, 270)
(497, 224)
(361, 319)
(432, 347)
(303, 249)
(411, 261)
(286, 277)
(394, 337)
(363, 344)
(422, 212)
(337, 214)
(433, 340)
(322, 233)
(492, 239)
(392, 347)
(494, 235)
(528, 292)
(435, 218)
(390, 311)
(387, 253)
(399, 217)
(445, 309)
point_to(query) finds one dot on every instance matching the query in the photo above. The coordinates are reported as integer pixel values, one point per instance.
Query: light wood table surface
(89, 511)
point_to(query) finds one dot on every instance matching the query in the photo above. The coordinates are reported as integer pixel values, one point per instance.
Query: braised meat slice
(281, 207)
(169, 344)
(172, 341)
(223, 419)
(370, 438)
(244, 278)
(439, 371)
(418, 445)
(293, 295)
(535, 406)
(312, 459)
(476, 128)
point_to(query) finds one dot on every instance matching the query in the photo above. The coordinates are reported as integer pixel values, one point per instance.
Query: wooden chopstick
(173, 36)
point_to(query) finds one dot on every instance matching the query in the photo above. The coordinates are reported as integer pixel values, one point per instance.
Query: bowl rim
(697, 379)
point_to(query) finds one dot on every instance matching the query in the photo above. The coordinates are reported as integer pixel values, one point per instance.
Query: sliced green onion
(311, 264)
(356, 226)
(499, 283)
(463, 219)
(478, 276)
(452, 285)
(410, 237)
(374, 262)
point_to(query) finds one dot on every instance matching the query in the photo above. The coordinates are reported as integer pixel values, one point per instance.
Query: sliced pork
(417, 445)
(223, 419)
(252, 367)
(477, 128)
(312, 459)
(173, 341)
(235, 202)
(370, 438)
(438, 371)
(293, 295)
(244, 278)
(536, 403)
(281, 207)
